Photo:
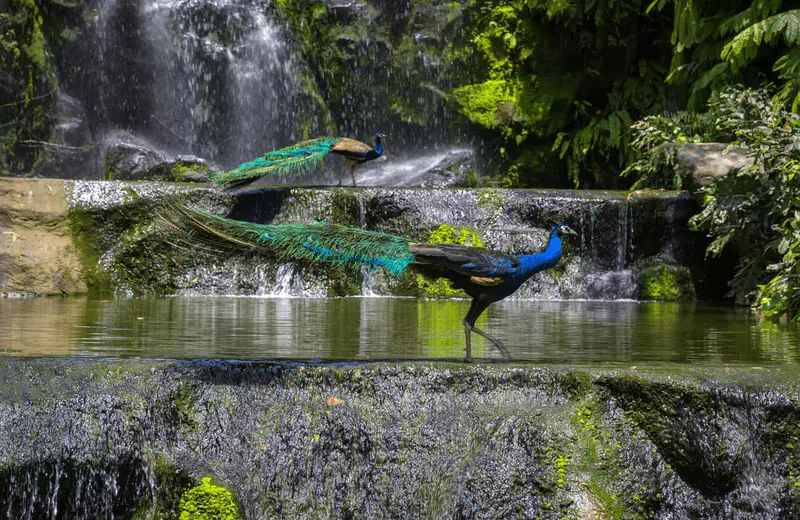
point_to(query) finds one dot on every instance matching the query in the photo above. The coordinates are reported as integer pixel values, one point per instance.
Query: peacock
(303, 156)
(486, 275)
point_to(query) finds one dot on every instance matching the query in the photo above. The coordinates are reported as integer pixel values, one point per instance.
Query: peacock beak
(568, 230)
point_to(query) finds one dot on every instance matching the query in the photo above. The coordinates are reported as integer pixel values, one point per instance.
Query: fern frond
(789, 65)
(320, 243)
(744, 46)
(758, 10)
(292, 159)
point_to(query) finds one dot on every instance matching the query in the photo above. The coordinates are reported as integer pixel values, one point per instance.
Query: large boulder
(134, 160)
(457, 169)
(702, 163)
(130, 161)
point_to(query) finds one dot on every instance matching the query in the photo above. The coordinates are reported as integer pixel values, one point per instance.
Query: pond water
(562, 332)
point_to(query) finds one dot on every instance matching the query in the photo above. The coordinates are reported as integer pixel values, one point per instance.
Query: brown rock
(37, 254)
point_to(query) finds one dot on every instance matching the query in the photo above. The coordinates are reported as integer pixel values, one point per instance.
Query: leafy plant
(758, 209)
(655, 146)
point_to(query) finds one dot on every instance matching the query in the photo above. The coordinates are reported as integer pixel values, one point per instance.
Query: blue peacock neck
(378, 146)
(532, 264)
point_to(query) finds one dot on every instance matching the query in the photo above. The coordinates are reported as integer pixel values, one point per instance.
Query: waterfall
(212, 78)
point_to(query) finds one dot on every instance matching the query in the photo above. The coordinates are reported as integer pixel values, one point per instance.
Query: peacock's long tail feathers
(339, 246)
(292, 159)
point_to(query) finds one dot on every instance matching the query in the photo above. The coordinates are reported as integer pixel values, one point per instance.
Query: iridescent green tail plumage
(292, 159)
(339, 246)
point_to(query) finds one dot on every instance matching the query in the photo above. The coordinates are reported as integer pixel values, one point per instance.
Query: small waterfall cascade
(617, 238)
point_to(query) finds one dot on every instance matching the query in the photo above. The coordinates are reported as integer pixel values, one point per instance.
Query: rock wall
(88, 439)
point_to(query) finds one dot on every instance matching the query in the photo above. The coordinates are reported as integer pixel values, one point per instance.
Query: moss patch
(84, 235)
(447, 234)
(208, 502)
(666, 283)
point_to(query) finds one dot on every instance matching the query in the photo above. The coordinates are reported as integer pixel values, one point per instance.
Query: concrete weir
(123, 439)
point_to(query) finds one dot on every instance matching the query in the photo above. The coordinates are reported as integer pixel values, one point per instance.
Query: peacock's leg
(352, 167)
(467, 333)
(475, 310)
(496, 342)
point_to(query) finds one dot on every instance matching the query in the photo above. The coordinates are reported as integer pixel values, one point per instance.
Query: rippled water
(390, 328)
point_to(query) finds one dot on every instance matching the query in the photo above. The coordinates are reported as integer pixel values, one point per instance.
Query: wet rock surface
(616, 235)
(113, 438)
(72, 152)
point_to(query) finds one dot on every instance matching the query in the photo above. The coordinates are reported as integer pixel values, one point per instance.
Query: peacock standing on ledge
(487, 276)
(303, 156)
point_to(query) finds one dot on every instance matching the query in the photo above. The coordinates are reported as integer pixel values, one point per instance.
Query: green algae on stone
(666, 283)
(208, 502)
(85, 237)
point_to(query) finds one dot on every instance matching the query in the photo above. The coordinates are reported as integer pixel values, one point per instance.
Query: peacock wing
(351, 148)
(467, 260)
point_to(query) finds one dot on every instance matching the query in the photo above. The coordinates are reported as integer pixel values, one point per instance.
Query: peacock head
(378, 137)
(562, 229)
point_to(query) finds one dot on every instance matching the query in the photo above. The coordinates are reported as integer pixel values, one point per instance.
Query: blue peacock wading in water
(301, 157)
(487, 276)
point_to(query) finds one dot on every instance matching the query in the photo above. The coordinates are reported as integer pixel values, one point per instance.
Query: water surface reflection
(390, 328)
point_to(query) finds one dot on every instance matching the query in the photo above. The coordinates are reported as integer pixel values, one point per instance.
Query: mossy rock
(666, 283)
(208, 502)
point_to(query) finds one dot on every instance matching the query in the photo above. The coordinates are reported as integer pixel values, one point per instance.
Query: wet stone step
(123, 439)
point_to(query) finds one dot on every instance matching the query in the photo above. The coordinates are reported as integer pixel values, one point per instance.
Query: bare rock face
(704, 162)
(37, 254)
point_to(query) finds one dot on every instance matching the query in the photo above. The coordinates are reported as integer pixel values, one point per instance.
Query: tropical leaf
(758, 10)
(744, 46)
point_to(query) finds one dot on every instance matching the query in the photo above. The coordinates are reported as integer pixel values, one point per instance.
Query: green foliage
(757, 210)
(666, 283)
(484, 102)
(548, 103)
(655, 146)
(208, 502)
(715, 42)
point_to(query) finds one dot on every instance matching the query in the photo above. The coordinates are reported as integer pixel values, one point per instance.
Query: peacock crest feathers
(339, 246)
(292, 159)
